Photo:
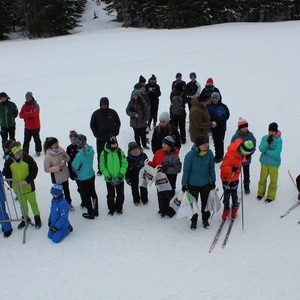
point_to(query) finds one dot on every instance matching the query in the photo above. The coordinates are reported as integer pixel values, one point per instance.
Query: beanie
(246, 147)
(273, 127)
(57, 189)
(29, 94)
(210, 81)
(169, 140)
(164, 116)
(242, 123)
(142, 79)
(193, 74)
(104, 100)
(152, 79)
(215, 95)
(132, 145)
(201, 139)
(111, 140)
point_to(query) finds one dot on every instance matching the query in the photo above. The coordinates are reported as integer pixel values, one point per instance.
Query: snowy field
(138, 256)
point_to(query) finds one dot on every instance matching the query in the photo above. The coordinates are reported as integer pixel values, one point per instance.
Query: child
(23, 169)
(113, 165)
(168, 161)
(55, 163)
(245, 135)
(83, 166)
(58, 222)
(230, 172)
(136, 159)
(270, 148)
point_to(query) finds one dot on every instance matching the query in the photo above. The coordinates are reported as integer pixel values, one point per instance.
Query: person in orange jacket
(230, 172)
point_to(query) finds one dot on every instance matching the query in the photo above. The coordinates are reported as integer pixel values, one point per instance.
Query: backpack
(176, 106)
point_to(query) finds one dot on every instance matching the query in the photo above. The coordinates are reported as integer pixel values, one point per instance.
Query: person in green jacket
(8, 114)
(270, 148)
(113, 165)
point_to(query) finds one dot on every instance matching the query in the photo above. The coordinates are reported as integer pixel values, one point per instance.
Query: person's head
(3, 97)
(215, 97)
(209, 84)
(29, 96)
(243, 125)
(193, 76)
(136, 94)
(104, 103)
(57, 190)
(50, 143)
(134, 149)
(179, 86)
(81, 141)
(112, 143)
(6, 145)
(203, 101)
(178, 76)
(168, 143)
(73, 137)
(16, 150)
(246, 147)
(273, 128)
(201, 143)
(152, 80)
(164, 119)
(142, 80)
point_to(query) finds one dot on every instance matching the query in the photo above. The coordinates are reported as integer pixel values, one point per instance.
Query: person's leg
(110, 198)
(65, 185)
(137, 136)
(194, 191)
(262, 184)
(204, 192)
(4, 135)
(37, 140)
(27, 139)
(120, 197)
(12, 133)
(272, 189)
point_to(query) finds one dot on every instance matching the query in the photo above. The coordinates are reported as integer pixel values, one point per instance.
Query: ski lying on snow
(215, 240)
(290, 209)
(228, 233)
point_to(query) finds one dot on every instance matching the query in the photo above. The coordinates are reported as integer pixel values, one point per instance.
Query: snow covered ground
(137, 255)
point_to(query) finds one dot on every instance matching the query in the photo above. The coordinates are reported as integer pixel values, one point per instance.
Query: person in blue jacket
(199, 176)
(58, 222)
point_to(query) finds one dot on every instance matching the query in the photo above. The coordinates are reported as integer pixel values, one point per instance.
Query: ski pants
(89, 195)
(180, 121)
(100, 148)
(28, 134)
(230, 189)
(31, 198)
(115, 203)
(6, 226)
(218, 139)
(266, 171)
(140, 136)
(164, 199)
(153, 110)
(138, 192)
(7, 131)
(59, 235)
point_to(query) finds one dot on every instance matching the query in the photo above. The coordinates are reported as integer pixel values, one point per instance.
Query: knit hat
(29, 94)
(57, 189)
(104, 100)
(210, 81)
(132, 145)
(169, 140)
(136, 93)
(215, 95)
(193, 74)
(142, 79)
(201, 139)
(152, 79)
(178, 75)
(2, 95)
(273, 127)
(111, 140)
(164, 116)
(242, 123)
(246, 147)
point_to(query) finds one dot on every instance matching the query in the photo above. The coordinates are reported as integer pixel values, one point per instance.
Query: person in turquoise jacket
(83, 166)
(58, 222)
(113, 165)
(199, 176)
(270, 148)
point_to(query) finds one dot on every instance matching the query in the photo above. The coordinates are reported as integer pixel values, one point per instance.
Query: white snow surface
(137, 255)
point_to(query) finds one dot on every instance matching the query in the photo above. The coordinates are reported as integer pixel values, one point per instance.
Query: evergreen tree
(5, 18)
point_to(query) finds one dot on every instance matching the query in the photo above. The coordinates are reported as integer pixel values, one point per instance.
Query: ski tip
(281, 216)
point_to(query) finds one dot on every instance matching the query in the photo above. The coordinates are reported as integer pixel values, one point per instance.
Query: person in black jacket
(105, 122)
(193, 89)
(219, 114)
(208, 90)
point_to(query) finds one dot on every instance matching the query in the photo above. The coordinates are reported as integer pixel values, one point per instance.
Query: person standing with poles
(230, 172)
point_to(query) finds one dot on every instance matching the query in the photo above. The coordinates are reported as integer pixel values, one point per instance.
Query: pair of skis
(216, 238)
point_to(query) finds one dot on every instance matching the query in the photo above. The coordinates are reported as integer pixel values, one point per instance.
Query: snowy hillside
(138, 256)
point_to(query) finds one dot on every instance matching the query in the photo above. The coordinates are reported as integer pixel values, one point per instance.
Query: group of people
(207, 114)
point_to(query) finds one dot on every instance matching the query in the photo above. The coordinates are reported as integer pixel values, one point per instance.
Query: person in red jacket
(230, 172)
(30, 112)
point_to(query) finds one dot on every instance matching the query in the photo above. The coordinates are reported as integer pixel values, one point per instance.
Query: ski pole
(242, 200)
(227, 186)
(293, 180)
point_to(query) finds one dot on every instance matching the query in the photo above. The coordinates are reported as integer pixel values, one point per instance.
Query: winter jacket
(208, 90)
(199, 120)
(105, 123)
(113, 163)
(8, 114)
(59, 213)
(183, 102)
(83, 163)
(135, 164)
(52, 162)
(24, 169)
(161, 132)
(245, 136)
(30, 112)
(232, 158)
(270, 153)
(193, 89)
(219, 113)
(142, 109)
(198, 170)
(153, 91)
(72, 151)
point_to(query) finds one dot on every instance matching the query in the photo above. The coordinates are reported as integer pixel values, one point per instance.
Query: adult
(105, 122)
(30, 112)
(209, 89)
(178, 77)
(193, 89)
(164, 129)
(8, 114)
(219, 114)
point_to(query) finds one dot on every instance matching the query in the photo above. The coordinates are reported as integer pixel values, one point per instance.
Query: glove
(270, 139)
(128, 181)
(164, 168)
(234, 169)
(120, 176)
(212, 185)
(185, 188)
(53, 229)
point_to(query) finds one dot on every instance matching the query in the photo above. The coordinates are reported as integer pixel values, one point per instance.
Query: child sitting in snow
(58, 222)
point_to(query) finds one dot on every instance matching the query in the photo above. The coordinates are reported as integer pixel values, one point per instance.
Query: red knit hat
(242, 123)
(210, 80)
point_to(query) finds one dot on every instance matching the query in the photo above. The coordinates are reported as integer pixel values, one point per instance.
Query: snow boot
(71, 228)
(38, 223)
(194, 220)
(234, 212)
(268, 200)
(23, 224)
(88, 216)
(259, 197)
(7, 234)
(226, 213)
(205, 224)
(246, 188)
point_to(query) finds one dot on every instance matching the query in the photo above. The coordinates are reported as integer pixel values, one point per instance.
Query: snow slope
(137, 255)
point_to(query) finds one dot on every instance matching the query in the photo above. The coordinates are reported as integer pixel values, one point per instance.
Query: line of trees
(40, 18)
(191, 13)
